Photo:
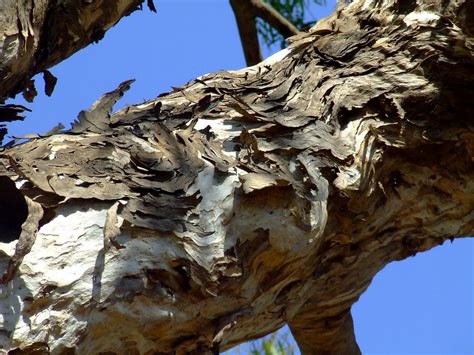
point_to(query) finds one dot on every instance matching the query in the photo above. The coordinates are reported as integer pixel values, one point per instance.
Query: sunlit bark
(249, 199)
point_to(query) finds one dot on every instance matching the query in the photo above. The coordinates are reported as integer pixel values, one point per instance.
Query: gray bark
(248, 199)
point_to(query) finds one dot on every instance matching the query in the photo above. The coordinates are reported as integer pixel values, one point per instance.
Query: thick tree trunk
(248, 199)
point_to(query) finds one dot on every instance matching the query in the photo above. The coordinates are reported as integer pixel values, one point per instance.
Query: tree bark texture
(39, 34)
(246, 199)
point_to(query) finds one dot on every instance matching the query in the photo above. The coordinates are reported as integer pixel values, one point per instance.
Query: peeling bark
(249, 199)
(39, 34)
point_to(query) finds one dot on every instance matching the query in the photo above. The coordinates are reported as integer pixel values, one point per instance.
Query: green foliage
(274, 344)
(294, 11)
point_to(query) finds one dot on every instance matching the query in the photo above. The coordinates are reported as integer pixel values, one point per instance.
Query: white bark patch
(223, 128)
(274, 58)
(217, 197)
(361, 135)
(146, 146)
(59, 268)
(60, 141)
(67, 269)
(421, 18)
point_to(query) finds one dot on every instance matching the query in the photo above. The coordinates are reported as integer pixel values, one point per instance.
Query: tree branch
(267, 13)
(245, 12)
(245, 17)
(41, 35)
(247, 199)
(331, 335)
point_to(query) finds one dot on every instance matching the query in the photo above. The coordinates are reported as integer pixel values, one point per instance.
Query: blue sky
(423, 305)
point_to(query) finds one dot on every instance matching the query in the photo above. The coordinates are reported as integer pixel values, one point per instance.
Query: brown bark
(36, 35)
(245, 200)
(332, 335)
(39, 34)
(245, 18)
(274, 18)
